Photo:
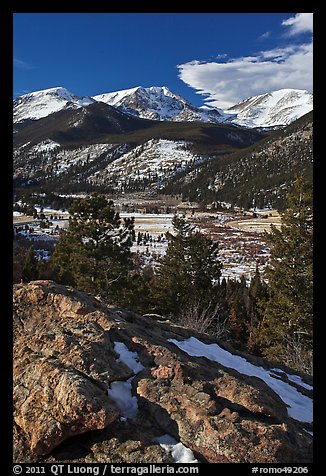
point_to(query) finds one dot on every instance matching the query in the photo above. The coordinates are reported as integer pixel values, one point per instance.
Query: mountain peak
(156, 103)
(41, 103)
(272, 109)
(56, 89)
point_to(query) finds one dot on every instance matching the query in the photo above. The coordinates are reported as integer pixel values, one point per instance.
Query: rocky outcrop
(70, 348)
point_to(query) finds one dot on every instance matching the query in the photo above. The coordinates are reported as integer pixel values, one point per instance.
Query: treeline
(30, 198)
(273, 320)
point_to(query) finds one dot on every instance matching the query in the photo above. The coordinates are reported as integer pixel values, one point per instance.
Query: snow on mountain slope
(273, 109)
(277, 108)
(42, 103)
(157, 103)
(60, 160)
(114, 165)
(150, 163)
(115, 98)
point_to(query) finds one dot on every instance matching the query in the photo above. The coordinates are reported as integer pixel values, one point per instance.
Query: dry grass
(259, 224)
(22, 219)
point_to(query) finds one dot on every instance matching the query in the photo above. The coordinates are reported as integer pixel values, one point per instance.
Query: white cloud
(265, 35)
(300, 23)
(225, 83)
(22, 64)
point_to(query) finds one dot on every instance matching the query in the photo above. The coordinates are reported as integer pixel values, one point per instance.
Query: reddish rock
(64, 362)
(59, 403)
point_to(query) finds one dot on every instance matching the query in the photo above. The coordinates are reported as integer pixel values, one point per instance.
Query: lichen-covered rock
(63, 365)
(54, 403)
(224, 419)
(65, 360)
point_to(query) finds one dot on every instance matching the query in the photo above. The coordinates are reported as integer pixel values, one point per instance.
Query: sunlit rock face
(94, 383)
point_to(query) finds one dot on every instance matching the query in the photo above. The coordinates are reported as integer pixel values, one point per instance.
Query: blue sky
(212, 58)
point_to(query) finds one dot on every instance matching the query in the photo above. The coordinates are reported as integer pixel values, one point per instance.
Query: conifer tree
(94, 253)
(288, 313)
(29, 271)
(258, 295)
(188, 270)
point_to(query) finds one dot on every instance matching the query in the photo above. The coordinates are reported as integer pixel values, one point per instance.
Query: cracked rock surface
(65, 361)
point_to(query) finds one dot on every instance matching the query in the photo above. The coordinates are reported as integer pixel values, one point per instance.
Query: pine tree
(258, 295)
(94, 254)
(238, 302)
(188, 270)
(29, 271)
(288, 313)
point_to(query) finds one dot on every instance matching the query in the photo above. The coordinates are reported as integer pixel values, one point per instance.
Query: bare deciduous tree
(206, 320)
(296, 355)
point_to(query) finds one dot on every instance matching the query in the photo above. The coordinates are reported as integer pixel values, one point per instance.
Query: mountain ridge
(158, 103)
(272, 109)
(74, 144)
(38, 104)
(258, 176)
(94, 146)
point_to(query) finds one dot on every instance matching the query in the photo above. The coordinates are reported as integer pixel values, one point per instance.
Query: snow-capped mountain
(83, 124)
(273, 109)
(45, 102)
(158, 103)
(73, 143)
(85, 144)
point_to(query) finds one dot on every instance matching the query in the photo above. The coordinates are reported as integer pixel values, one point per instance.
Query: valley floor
(259, 224)
(242, 240)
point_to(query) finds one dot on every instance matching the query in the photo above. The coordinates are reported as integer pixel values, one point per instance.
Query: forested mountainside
(78, 149)
(70, 144)
(258, 176)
